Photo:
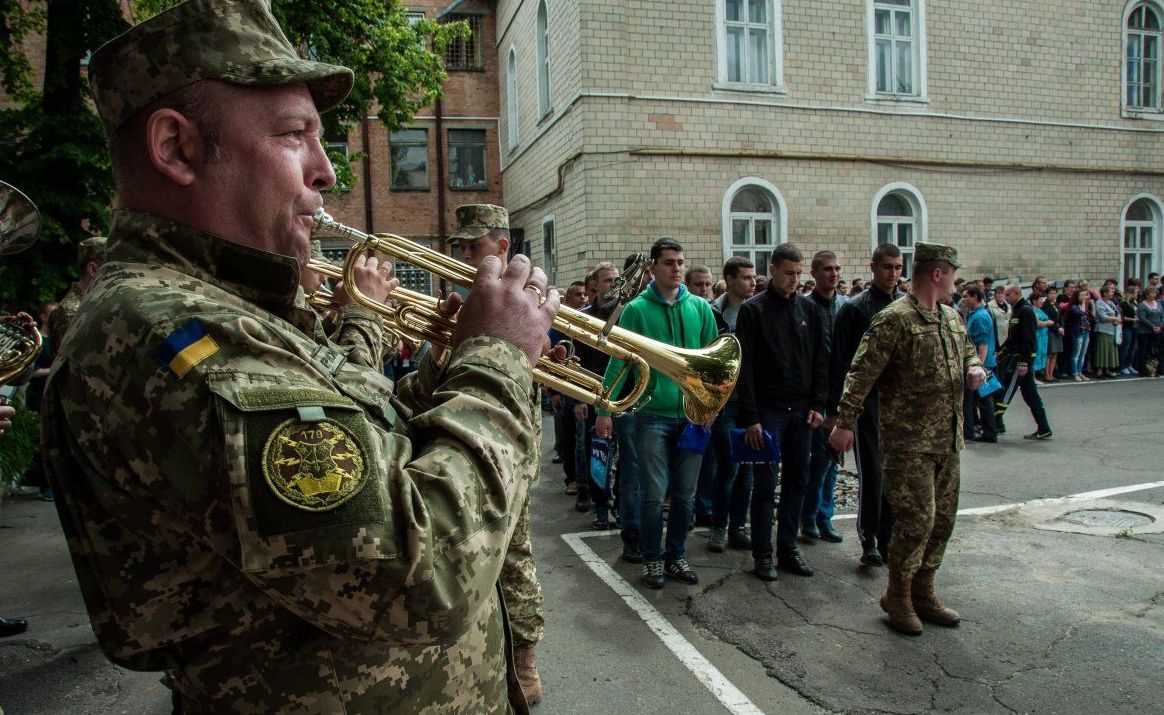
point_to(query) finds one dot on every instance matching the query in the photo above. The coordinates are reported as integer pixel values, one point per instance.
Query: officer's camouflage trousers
(922, 490)
(520, 587)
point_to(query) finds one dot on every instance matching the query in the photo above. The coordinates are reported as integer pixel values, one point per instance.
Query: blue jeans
(732, 489)
(664, 469)
(629, 496)
(1127, 349)
(820, 501)
(1080, 353)
(795, 437)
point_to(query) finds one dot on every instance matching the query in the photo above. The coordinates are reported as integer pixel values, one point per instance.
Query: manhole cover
(1115, 518)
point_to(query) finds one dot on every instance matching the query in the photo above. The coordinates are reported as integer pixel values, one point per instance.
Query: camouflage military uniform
(246, 511)
(918, 359)
(62, 317)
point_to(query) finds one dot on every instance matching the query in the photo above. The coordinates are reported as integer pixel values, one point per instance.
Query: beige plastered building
(1028, 134)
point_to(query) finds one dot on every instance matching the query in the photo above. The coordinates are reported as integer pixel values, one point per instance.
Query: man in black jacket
(874, 520)
(1018, 354)
(782, 389)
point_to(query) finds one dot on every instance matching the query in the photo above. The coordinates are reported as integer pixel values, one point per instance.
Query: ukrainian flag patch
(186, 347)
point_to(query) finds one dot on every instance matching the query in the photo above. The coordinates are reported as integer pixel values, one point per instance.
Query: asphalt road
(1054, 622)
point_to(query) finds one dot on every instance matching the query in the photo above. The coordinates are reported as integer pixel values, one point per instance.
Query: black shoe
(1038, 435)
(557, 459)
(739, 539)
(869, 554)
(793, 563)
(987, 439)
(681, 571)
(653, 574)
(583, 503)
(1000, 428)
(12, 627)
(828, 533)
(764, 570)
(600, 524)
(631, 553)
(809, 530)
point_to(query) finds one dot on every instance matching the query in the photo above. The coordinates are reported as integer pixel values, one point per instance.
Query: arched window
(899, 218)
(1141, 237)
(543, 42)
(511, 97)
(1142, 58)
(755, 221)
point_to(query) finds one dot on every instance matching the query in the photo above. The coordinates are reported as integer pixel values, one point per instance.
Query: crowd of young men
(798, 347)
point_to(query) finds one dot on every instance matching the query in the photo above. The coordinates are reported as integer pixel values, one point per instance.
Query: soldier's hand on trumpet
(374, 277)
(515, 305)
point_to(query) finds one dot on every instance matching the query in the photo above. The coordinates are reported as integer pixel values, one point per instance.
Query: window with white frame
(749, 42)
(1142, 58)
(895, 44)
(754, 224)
(1141, 231)
(543, 52)
(549, 250)
(467, 159)
(511, 97)
(898, 221)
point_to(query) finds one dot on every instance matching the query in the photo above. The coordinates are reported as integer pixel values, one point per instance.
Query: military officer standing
(919, 357)
(483, 230)
(244, 507)
(90, 257)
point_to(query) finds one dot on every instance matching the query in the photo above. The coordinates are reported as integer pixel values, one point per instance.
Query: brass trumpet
(705, 376)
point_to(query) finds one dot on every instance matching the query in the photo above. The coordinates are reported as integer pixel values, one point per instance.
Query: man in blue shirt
(980, 325)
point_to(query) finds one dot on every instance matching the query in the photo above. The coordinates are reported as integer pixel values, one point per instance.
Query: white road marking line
(723, 689)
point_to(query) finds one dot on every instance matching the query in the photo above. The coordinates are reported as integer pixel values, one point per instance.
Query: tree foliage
(53, 147)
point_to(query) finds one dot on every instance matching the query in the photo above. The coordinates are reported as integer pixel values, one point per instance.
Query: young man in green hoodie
(666, 311)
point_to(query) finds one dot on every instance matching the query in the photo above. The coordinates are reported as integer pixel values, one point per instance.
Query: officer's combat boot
(896, 604)
(527, 673)
(926, 602)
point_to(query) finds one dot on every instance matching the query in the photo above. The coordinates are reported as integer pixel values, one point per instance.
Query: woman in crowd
(1078, 335)
(1054, 333)
(1149, 324)
(1131, 299)
(1045, 325)
(1107, 321)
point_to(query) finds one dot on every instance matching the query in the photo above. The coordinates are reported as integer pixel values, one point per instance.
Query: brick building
(410, 182)
(1028, 134)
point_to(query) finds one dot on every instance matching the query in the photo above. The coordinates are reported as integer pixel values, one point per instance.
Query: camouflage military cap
(936, 252)
(91, 249)
(235, 41)
(476, 220)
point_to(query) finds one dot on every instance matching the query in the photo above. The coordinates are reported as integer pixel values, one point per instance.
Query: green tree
(53, 146)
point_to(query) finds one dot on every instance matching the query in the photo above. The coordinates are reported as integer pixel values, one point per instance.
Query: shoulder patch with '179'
(314, 466)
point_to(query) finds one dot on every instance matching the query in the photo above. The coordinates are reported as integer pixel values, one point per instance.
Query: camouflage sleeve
(873, 354)
(360, 332)
(415, 389)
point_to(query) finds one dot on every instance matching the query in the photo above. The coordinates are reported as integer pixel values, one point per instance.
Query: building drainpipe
(369, 226)
(440, 162)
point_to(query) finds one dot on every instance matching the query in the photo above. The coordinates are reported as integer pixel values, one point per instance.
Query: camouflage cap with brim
(92, 249)
(936, 252)
(476, 220)
(236, 41)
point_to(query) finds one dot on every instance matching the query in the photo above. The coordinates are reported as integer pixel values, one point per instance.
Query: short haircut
(1014, 287)
(820, 257)
(786, 252)
(666, 243)
(603, 267)
(731, 269)
(630, 260)
(195, 101)
(1152, 275)
(975, 290)
(1035, 295)
(885, 250)
(693, 270)
(926, 267)
(578, 283)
